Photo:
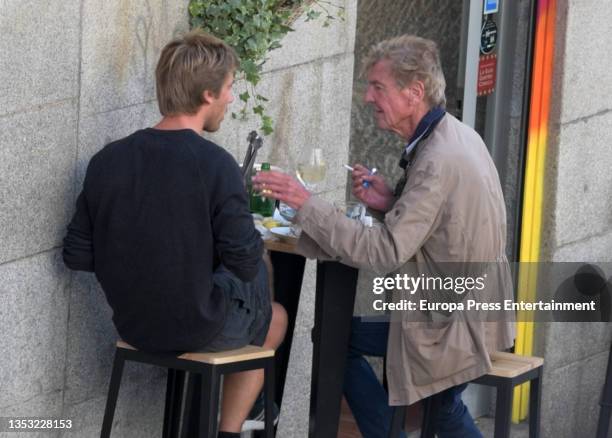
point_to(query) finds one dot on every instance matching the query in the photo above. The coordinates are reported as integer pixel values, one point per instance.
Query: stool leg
(397, 421)
(209, 405)
(535, 397)
(188, 385)
(503, 410)
(269, 397)
(174, 398)
(113, 393)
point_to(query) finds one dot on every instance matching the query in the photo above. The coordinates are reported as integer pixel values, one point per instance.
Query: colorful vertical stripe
(537, 137)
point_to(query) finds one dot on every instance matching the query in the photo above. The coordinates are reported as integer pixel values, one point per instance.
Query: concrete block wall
(578, 220)
(75, 75)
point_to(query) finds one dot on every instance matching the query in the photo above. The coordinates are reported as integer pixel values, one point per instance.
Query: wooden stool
(508, 370)
(210, 366)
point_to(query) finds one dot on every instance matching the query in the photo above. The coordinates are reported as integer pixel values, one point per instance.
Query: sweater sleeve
(78, 251)
(237, 242)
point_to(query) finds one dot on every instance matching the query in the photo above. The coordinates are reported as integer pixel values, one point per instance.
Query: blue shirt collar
(424, 128)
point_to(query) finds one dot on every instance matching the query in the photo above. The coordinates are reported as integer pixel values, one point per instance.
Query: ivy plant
(254, 28)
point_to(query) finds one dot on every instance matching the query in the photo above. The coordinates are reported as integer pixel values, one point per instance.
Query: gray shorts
(249, 310)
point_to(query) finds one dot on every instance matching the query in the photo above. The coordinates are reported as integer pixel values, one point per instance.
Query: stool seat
(512, 365)
(249, 352)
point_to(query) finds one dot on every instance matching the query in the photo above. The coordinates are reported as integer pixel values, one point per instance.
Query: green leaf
(244, 96)
(312, 15)
(266, 125)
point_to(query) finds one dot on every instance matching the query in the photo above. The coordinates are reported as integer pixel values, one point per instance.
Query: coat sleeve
(307, 247)
(381, 249)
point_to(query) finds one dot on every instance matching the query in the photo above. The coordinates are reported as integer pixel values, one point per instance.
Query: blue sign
(490, 6)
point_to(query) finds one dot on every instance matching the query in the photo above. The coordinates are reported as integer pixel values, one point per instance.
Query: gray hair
(412, 58)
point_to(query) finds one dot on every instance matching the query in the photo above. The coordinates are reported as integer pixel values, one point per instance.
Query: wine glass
(310, 172)
(311, 169)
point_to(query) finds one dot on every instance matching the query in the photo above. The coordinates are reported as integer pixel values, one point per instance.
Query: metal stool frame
(503, 406)
(180, 370)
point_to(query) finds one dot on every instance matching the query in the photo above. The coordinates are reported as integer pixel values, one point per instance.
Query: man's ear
(415, 91)
(207, 97)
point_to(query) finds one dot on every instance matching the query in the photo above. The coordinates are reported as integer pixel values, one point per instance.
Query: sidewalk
(348, 427)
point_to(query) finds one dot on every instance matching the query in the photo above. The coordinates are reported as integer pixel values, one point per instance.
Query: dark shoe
(256, 418)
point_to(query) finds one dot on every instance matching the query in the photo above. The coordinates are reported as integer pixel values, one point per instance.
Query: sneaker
(256, 418)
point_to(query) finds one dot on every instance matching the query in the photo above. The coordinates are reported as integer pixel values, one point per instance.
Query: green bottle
(259, 203)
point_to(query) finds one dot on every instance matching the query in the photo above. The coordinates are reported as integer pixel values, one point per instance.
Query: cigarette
(347, 167)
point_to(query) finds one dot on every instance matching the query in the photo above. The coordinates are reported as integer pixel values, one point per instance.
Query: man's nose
(367, 97)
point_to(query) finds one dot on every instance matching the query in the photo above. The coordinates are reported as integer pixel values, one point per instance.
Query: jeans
(368, 399)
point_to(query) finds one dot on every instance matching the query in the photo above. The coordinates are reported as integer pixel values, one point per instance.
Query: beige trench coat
(451, 209)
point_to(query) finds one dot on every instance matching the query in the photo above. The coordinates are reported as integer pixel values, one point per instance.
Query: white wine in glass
(312, 171)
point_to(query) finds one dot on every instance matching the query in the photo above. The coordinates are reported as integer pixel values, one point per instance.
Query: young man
(163, 221)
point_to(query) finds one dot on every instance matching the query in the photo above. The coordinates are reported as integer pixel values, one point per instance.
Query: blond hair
(188, 66)
(412, 58)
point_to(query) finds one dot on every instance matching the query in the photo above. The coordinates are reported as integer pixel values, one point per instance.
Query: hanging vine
(254, 28)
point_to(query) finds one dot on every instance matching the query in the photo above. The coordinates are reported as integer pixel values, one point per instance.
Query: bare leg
(240, 390)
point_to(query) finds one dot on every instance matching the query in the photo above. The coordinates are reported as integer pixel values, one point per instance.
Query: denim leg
(364, 393)
(451, 418)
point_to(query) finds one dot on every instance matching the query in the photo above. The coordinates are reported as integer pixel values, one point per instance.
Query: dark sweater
(159, 211)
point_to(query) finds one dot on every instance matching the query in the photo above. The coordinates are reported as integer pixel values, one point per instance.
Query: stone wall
(74, 75)
(578, 205)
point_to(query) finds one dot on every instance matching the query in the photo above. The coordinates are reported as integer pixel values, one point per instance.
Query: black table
(334, 300)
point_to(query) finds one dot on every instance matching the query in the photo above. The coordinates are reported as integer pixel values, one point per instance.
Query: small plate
(285, 234)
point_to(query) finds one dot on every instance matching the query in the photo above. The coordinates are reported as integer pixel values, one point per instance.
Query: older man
(448, 207)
